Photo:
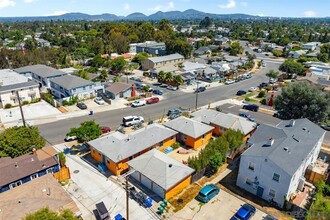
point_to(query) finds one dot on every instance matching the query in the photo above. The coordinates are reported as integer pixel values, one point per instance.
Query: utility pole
(127, 199)
(20, 108)
(196, 104)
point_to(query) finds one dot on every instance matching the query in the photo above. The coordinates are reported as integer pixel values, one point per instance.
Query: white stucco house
(274, 165)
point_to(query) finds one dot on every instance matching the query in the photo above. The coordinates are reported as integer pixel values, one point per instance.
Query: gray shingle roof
(71, 82)
(175, 56)
(291, 144)
(17, 86)
(189, 126)
(227, 121)
(161, 169)
(40, 70)
(118, 146)
(118, 87)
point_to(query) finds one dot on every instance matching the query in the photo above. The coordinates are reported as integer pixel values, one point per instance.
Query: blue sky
(279, 8)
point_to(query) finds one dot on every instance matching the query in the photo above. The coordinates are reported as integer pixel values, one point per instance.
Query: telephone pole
(196, 104)
(127, 199)
(20, 108)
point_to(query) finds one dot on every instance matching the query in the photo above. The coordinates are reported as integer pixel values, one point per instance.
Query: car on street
(325, 127)
(173, 88)
(152, 100)
(138, 103)
(99, 100)
(139, 80)
(207, 193)
(200, 89)
(248, 76)
(133, 78)
(251, 107)
(263, 84)
(272, 80)
(247, 115)
(174, 111)
(81, 105)
(70, 138)
(277, 115)
(245, 212)
(241, 92)
(105, 129)
(157, 92)
(163, 86)
(252, 89)
(229, 81)
(132, 120)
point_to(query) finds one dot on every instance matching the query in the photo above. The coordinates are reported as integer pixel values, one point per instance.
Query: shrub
(48, 98)
(8, 105)
(64, 102)
(186, 114)
(263, 101)
(176, 145)
(35, 100)
(248, 99)
(218, 109)
(261, 94)
(25, 102)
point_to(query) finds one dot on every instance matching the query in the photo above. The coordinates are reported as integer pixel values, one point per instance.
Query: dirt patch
(179, 201)
(62, 109)
(229, 185)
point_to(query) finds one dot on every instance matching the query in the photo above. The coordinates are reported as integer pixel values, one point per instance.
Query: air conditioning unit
(301, 184)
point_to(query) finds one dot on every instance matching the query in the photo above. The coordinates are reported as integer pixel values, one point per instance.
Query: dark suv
(251, 107)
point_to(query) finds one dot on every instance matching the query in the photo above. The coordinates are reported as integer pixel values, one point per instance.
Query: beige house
(155, 62)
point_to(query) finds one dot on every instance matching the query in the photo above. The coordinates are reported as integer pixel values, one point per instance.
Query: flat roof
(170, 57)
(10, 77)
(18, 86)
(40, 70)
(71, 82)
(30, 197)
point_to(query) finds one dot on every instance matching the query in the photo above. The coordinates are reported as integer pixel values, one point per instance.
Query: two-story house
(274, 165)
(155, 62)
(67, 86)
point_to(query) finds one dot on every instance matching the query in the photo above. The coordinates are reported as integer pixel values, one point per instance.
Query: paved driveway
(223, 207)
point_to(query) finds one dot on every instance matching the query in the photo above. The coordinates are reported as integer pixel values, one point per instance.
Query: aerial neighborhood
(175, 115)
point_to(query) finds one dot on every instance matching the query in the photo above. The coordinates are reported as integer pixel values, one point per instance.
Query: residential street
(56, 131)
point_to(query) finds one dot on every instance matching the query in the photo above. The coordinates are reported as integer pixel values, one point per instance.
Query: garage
(160, 173)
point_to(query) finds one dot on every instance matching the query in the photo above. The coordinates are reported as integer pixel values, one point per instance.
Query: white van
(132, 120)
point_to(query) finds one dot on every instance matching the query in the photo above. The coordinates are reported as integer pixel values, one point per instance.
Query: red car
(153, 100)
(105, 129)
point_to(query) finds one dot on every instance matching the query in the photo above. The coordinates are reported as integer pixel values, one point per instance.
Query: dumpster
(102, 211)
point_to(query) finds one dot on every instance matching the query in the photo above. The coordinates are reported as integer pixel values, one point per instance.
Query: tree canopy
(292, 67)
(235, 48)
(88, 130)
(304, 100)
(118, 64)
(17, 141)
(272, 74)
(47, 214)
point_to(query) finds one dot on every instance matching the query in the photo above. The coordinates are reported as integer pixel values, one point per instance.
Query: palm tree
(161, 76)
(178, 80)
(169, 77)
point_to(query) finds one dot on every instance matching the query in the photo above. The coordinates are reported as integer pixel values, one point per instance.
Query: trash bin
(91, 112)
(149, 202)
(118, 217)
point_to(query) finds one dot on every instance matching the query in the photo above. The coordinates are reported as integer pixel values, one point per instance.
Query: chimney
(291, 123)
(16, 165)
(270, 141)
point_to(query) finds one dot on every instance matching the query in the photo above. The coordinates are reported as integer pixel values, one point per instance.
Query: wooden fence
(63, 174)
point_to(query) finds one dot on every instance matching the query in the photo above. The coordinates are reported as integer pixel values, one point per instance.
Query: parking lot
(223, 207)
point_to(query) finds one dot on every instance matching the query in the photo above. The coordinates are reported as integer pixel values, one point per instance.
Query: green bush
(25, 102)
(176, 145)
(261, 94)
(64, 102)
(35, 100)
(248, 99)
(48, 98)
(8, 105)
(263, 101)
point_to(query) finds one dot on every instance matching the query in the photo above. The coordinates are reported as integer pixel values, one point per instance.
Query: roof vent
(294, 138)
(16, 165)
(291, 123)
(304, 128)
(270, 141)
(170, 165)
(285, 148)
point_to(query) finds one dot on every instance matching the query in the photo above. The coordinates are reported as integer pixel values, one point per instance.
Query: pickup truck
(138, 103)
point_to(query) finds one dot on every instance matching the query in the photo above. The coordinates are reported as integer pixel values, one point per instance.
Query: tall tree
(272, 74)
(235, 48)
(88, 130)
(118, 64)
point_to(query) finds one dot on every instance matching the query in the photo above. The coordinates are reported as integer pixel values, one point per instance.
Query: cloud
(309, 14)
(244, 4)
(56, 13)
(127, 7)
(167, 7)
(230, 4)
(30, 1)
(7, 3)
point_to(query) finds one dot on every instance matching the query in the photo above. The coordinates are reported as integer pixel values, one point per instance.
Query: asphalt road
(55, 132)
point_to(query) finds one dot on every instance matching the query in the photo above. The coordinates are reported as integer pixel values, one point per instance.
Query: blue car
(207, 193)
(247, 115)
(244, 213)
(158, 92)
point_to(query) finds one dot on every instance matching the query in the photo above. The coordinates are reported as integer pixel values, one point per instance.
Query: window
(173, 137)
(13, 92)
(161, 143)
(203, 136)
(248, 182)
(276, 177)
(13, 185)
(84, 88)
(130, 158)
(49, 170)
(272, 193)
(251, 166)
(90, 87)
(33, 176)
(74, 90)
(108, 161)
(31, 89)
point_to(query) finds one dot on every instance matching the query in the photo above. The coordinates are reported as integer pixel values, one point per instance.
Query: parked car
(247, 115)
(173, 88)
(153, 100)
(139, 80)
(200, 89)
(163, 86)
(81, 105)
(252, 89)
(157, 92)
(325, 127)
(138, 86)
(251, 107)
(241, 92)
(272, 80)
(245, 212)
(263, 84)
(70, 138)
(132, 120)
(133, 78)
(138, 103)
(105, 129)
(99, 100)
(207, 193)
(248, 76)
(277, 115)
(229, 81)
(174, 111)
